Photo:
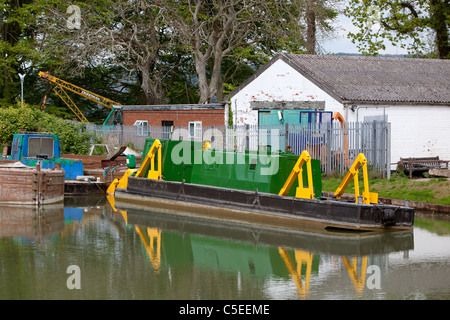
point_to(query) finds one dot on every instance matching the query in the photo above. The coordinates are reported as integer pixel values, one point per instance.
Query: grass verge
(434, 190)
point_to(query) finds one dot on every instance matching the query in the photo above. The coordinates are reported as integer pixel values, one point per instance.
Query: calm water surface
(154, 255)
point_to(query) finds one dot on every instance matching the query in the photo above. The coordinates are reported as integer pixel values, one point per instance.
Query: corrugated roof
(374, 80)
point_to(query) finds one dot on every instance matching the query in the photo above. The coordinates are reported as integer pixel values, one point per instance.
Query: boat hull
(23, 185)
(255, 207)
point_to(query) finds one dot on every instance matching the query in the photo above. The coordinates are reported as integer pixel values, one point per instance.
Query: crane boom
(62, 85)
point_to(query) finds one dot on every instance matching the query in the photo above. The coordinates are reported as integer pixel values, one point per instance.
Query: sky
(341, 44)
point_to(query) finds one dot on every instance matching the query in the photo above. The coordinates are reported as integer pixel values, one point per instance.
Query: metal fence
(334, 144)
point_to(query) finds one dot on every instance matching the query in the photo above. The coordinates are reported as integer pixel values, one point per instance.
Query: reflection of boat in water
(329, 241)
(33, 222)
(174, 238)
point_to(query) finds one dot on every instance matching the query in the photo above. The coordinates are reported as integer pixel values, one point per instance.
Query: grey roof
(373, 80)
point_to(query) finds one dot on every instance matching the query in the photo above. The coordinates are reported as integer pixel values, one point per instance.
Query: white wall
(416, 131)
(279, 82)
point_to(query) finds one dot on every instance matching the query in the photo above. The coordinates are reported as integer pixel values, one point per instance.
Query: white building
(413, 94)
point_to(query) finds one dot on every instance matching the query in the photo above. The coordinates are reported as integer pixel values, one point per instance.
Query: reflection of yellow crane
(152, 243)
(301, 258)
(151, 238)
(352, 268)
(60, 89)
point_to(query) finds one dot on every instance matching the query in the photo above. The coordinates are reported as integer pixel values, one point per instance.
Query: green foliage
(407, 24)
(17, 45)
(116, 37)
(230, 116)
(72, 136)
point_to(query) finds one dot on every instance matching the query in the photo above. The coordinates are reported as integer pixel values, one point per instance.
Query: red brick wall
(180, 118)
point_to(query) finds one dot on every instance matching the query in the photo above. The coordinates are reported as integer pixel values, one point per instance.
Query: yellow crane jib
(154, 172)
(297, 171)
(368, 197)
(60, 89)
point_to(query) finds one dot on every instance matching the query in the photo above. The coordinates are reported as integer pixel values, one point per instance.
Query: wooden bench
(421, 164)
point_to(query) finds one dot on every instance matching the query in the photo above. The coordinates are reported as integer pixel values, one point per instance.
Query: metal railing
(334, 144)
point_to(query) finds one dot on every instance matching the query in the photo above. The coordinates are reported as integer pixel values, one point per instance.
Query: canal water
(84, 249)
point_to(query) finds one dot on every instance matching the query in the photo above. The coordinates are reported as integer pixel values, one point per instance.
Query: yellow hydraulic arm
(153, 173)
(301, 191)
(368, 197)
(62, 85)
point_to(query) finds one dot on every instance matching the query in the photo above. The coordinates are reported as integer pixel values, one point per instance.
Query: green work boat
(252, 187)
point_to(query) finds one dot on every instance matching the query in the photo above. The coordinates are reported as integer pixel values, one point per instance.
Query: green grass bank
(434, 190)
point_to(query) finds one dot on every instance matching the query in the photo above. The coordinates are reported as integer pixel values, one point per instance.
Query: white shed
(412, 94)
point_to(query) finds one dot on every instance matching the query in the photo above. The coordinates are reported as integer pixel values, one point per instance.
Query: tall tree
(317, 15)
(214, 29)
(17, 45)
(402, 22)
(115, 33)
(310, 16)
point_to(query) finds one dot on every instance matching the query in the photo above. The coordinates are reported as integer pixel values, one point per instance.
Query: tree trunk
(311, 26)
(214, 88)
(439, 24)
(148, 87)
(200, 68)
(216, 76)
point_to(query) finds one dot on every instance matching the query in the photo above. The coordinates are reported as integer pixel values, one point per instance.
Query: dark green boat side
(262, 171)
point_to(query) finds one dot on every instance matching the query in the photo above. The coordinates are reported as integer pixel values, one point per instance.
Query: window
(167, 127)
(195, 130)
(141, 128)
(40, 147)
(167, 123)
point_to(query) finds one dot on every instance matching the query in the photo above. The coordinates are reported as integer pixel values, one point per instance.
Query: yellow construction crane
(60, 89)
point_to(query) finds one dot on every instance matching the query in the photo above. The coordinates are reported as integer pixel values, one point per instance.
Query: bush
(72, 136)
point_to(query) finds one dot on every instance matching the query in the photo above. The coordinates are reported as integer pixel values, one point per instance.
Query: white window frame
(141, 128)
(197, 130)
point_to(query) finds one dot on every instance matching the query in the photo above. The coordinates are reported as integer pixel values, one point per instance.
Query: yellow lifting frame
(301, 192)
(155, 174)
(368, 197)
